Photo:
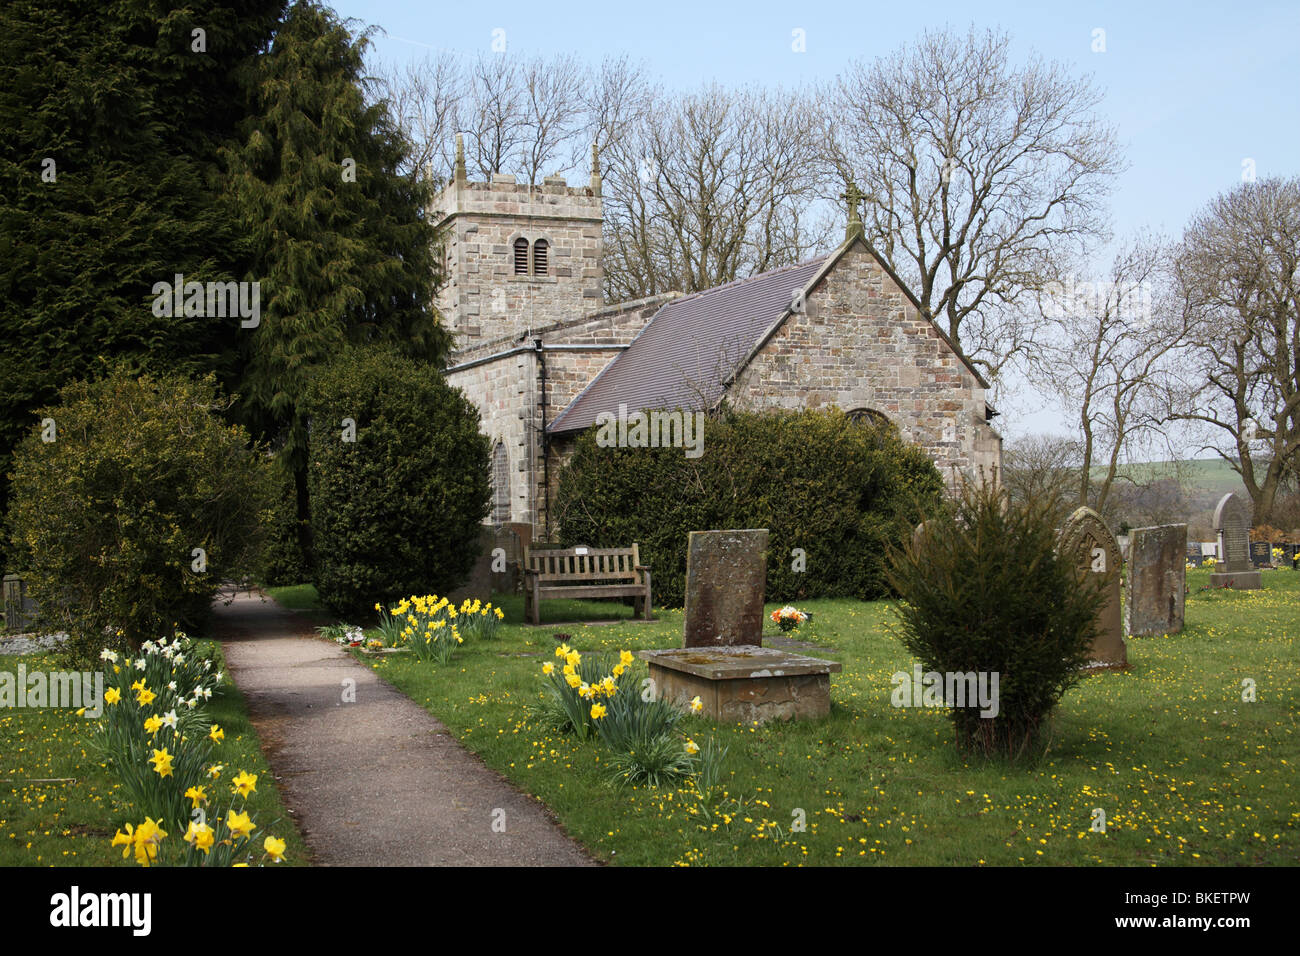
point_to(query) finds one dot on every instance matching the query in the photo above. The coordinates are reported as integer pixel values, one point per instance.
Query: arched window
(540, 249)
(500, 484)
(867, 416)
(521, 256)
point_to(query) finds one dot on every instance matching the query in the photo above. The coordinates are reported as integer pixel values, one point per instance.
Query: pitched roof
(690, 348)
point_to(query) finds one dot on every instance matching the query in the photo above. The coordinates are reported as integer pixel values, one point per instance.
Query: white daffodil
(139, 664)
(171, 686)
(191, 704)
(169, 719)
(107, 655)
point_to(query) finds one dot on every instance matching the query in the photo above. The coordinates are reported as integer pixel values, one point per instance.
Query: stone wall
(502, 378)
(861, 344)
(483, 298)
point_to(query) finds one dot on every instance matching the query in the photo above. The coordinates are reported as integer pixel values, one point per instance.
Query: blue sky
(1195, 89)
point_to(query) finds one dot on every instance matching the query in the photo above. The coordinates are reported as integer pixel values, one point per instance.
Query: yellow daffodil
(240, 825)
(162, 762)
(274, 849)
(598, 711)
(573, 657)
(692, 747)
(200, 836)
(548, 668)
(197, 795)
(215, 770)
(153, 724)
(562, 650)
(618, 670)
(697, 705)
(145, 696)
(573, 680)
(244, 784)
(112, 696)
(625, 658)
(216, 733)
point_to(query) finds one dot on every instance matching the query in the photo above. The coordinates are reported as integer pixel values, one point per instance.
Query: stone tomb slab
(744, 683)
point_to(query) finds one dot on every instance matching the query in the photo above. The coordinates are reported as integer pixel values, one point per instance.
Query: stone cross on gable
(853, 196)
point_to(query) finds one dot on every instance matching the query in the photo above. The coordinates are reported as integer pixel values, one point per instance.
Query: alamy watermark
(218, 300)
(951, 689)
(39, 689)
(675, 429)
(1130, 301)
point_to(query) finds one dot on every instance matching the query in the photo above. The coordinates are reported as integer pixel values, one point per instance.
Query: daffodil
(573, 657)
(153, 724)
(697, 705)
(169, 719)
(573, 680)
(244, 784)
(216, 733)
(162, 762)
(200, 836)
(197, 794)
(274, 849)
(112, 696)
(240, 825)
(562, 650)
(625, 658)
(598, 711)
(548, 668)
(692, 747)
(145, 696)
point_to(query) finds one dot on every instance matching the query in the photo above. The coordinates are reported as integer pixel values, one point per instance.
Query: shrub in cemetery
(398, 481)
(833, 493)
(131, 501)
(983, 591)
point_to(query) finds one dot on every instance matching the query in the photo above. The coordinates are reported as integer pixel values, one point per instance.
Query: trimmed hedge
(843, 492)
(283, 560)
(397, 511)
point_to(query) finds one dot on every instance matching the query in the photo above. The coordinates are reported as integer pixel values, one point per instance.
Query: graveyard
(1186, 772)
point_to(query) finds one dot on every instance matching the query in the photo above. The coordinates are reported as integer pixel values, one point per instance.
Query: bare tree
(1238, 281)
(708, 187)
(1111, 354)
(1042, 468)
(980, 177)
(425, 100)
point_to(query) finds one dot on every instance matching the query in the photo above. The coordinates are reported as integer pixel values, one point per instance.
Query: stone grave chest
(722, 660)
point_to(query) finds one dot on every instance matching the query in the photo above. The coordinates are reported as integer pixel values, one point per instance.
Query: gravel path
(377, 781)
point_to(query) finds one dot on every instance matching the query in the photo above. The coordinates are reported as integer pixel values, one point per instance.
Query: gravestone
(726, 580)
(1086, 540)
(722, 661)
(1261, 554)
(1209, 549)
(20, 610)
(1289, 553)
(1157, 580)
(1194, 554)
(1232, 524)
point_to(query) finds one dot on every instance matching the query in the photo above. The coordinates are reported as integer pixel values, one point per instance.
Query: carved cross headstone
(1086, 539)
(726, 580)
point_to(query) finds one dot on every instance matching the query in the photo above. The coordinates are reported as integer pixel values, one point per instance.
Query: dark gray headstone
(1261, 554)
(726, 580)
(1086, 540)
(1194, 555)
(1157, 585)
(20, 610)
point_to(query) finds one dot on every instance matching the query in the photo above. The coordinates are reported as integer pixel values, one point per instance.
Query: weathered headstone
(1157, 580)
(1194, 553)
(1232, 524)
(20, 610)
(726, 580)
(1086, 539)
(1210, 549)
(1261, 554)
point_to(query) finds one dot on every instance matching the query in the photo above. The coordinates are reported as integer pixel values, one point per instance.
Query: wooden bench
(584, 573)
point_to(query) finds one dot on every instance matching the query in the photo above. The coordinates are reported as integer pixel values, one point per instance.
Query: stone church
(543, 356)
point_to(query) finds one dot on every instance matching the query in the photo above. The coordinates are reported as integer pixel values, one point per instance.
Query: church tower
(516, 256)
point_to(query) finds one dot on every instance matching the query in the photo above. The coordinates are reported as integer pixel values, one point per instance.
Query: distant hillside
(1205, 477)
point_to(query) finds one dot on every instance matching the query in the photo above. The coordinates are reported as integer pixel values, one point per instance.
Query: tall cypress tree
(109, 183)
(339, 240)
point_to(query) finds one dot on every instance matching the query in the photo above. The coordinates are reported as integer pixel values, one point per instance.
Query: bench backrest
(583, 564)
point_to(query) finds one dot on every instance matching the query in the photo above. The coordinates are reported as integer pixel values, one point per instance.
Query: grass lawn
(59, 806)
(1185, 771)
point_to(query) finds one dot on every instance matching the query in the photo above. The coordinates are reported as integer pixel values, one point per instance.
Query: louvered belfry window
(540, 250)
(521, 257)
